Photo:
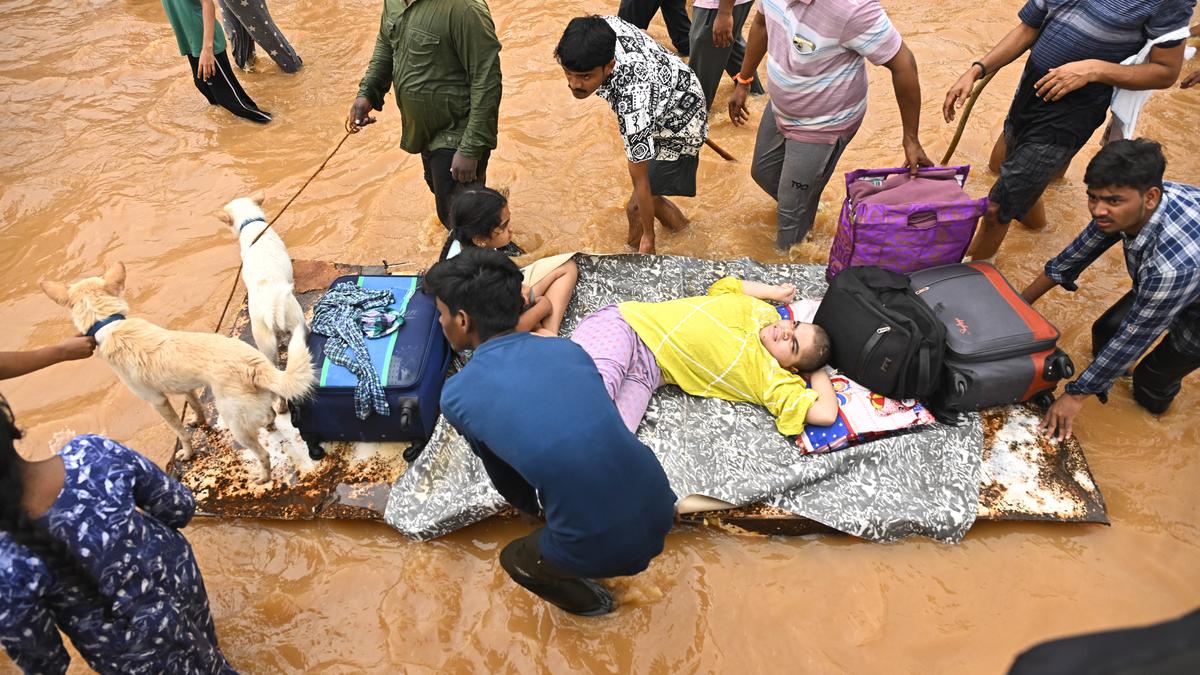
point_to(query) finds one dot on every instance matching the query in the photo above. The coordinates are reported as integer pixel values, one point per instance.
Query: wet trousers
(640, 12)
(795, 174)
(523, 561)
(249, 22)
(711, 62)
(1158, 377)
(224, 90)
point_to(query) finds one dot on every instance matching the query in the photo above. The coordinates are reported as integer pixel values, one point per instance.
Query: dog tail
(296, 382)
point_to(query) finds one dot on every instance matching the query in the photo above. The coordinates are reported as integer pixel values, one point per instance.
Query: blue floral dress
(139, 559)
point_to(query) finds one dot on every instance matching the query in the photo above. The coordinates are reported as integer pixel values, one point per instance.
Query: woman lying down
(729, 344)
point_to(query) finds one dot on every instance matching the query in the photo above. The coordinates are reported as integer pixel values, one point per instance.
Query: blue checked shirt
(1164, 261)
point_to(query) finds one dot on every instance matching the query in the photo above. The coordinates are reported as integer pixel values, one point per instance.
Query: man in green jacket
(443, 59)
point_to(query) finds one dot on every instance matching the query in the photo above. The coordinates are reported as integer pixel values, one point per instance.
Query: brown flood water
(110, 154)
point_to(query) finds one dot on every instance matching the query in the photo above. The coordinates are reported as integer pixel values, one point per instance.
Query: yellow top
(709, 346)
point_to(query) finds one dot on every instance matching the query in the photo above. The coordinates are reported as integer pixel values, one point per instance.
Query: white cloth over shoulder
(1127, 104)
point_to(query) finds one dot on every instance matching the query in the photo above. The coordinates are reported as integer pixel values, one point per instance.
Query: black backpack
(882, 335)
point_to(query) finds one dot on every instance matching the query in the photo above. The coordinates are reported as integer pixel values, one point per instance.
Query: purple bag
(904, 224)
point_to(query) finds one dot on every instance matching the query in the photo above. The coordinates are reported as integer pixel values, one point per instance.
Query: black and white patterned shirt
(658, 100)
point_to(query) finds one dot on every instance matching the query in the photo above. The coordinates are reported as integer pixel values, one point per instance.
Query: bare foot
(669, 214)
(646, 245)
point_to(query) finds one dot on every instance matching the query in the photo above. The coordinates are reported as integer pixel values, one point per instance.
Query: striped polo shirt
(816, 75)
(1109, 30)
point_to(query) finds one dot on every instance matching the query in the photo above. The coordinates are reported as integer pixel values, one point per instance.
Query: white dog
(154, 362)
(267, 273)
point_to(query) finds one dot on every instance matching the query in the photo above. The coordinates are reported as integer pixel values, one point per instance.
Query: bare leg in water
(1036, 218)
(665, 212)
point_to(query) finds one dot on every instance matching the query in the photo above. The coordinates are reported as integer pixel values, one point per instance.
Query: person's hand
(1059, 418)
(1192, 79)
(722, 30)
(208, 64)
(739, 114)
(1059, 82)
(462, 168)
(959, 93)
(77, 347)
(360, 115)
(526, 293)
(783, 293)
(914, 156)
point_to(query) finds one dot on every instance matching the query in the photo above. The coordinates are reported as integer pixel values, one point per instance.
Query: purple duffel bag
(904, 224)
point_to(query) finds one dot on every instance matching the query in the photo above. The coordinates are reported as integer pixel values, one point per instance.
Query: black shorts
(676, 178)
(1027, 169)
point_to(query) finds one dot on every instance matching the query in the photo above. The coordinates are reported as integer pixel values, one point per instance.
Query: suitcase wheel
(315, 451)
(412, 452)
(1059, 366)
(1044, 400)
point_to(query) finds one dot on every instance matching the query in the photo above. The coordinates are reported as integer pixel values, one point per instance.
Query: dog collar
(111, 318)
(255, 219)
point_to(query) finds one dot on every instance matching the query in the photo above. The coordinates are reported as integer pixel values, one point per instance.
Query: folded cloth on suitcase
(925, 482)
(862, 414)
(338, 316)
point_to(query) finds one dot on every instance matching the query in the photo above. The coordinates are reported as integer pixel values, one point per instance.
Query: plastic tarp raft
(935, 481)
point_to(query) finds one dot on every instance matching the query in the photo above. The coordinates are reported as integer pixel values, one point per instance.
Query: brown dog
(154, 362)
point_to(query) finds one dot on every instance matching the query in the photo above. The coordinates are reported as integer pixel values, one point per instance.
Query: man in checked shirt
(1158, 225)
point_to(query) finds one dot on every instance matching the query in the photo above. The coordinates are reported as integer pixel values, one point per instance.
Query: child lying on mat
(729, 344)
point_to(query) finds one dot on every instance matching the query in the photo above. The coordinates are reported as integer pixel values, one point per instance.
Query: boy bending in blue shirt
(536, 412)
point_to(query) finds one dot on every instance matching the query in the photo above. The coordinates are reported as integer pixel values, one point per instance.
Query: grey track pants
(795, 174)
(710, 62)
(249, 21)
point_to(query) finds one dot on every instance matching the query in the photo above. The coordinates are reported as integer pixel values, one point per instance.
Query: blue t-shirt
(536, 412)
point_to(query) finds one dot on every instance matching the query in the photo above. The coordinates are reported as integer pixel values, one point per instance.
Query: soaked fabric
(924, 483)
(248, 22)
(119, 514)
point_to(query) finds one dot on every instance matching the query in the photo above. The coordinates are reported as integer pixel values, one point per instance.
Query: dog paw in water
(263, 478)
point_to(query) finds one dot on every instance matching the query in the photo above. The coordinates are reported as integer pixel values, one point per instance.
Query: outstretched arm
(907, 86)
(773, 292)
(1005, 52)
(15, 364)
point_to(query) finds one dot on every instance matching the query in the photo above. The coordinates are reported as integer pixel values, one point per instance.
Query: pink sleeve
(870, 32)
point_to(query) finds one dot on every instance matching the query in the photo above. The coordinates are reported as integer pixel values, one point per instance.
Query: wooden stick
(717, 149)
(962, 118)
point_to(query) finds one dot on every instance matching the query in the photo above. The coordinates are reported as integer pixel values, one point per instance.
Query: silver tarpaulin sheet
(925, 482)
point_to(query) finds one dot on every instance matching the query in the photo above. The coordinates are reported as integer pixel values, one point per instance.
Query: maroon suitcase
(999, 349)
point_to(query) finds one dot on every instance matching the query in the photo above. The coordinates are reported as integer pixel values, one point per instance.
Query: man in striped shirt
(1075, 52)
(1158, 225)
(817, 80)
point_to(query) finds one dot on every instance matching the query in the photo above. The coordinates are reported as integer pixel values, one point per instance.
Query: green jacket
(443, 58)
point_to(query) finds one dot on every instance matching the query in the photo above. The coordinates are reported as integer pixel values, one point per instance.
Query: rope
(962, 119)
(238, 275)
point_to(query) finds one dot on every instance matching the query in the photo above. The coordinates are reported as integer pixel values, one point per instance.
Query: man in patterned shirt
(660, 111)
(1158, 225)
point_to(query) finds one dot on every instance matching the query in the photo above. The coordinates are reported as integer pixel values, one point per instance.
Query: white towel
(1127, 104)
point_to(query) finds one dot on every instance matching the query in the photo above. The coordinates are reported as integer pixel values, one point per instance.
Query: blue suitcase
(411, 363)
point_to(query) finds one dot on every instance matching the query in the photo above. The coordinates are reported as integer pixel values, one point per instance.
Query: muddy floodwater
(110, 154)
